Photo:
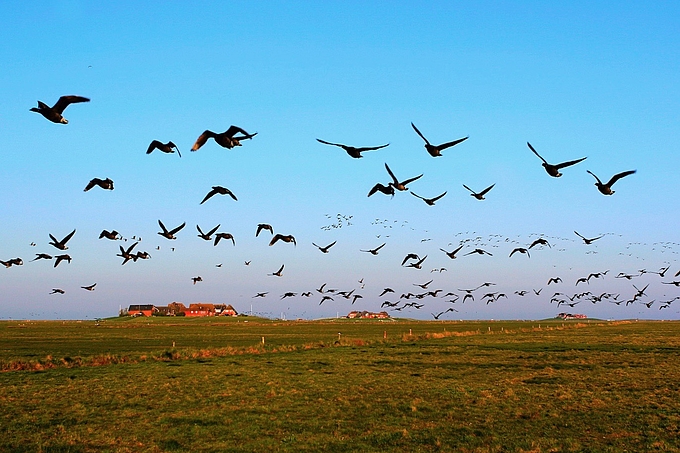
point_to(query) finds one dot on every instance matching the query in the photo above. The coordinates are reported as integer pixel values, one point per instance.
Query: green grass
(599, 387)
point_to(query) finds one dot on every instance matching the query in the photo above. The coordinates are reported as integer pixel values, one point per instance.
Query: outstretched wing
(596, 178)
(64, 102)
(178, 228)
(68, 237)
(443, 146)
(211, 232)
(233, 130)
(419, 133)
(570, 163)
(473, 192)
(410, 180)
(329, 143)
(394, 178)
(200, 141)
(618, 176)
(209, 195)
(165, 230)
(483, 192)
(154, 145)
(370, 148)
(539, 156)
(90, 184)
(437, 197)
(417, 196)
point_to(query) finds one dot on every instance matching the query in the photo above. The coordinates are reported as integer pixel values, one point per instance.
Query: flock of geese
(234, 136)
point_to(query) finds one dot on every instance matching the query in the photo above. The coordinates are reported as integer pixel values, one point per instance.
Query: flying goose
(606, 189)
(61, 245)
(170, 234)
(436, 151)
(218, 190)
(554, 170)
(227, 139)
(168, 148)
(352, 151)
(54, 113)
(480, 195)
(106, 184)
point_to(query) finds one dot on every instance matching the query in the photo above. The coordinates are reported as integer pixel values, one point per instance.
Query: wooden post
(262, 340)
(385, 334)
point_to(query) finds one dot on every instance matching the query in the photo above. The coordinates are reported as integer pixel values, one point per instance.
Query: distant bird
(452, 254)
(89, 288)
(375, 250)
(196, 279)
(539, 241)
(326, 248)
(218, 190)
(60, 258)
(520, 250)
(168, 148)
(588, 241)
(436, 151)
(479, 252)
(418, 264)
(400, 185)
(143, 255)
(325, 298)
(226, 236)
(12, 262)
(227, 139)
(288, 295)
(57, 291)
(264, 226)
(582, 280)
(385, 291)
(280, 237)
(480, 195)
(106, 184)
(247, 263)
(61, 245)
(410, 256)
(207, 236)
(127, 254)
(597, 275)
(355, 297)
(278, 273)
(260, 295)
(54, 113)
(423, 285)
(352, 151)
(429, 201)
(112, 235)
(606, 189)
(42, 256)
(554, 170)
(387, 190)
(554, 280)
(170, 234)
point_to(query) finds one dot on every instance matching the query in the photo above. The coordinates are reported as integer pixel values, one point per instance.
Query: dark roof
(140, 307)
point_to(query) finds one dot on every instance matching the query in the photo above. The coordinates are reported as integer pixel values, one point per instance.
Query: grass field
(339, 385)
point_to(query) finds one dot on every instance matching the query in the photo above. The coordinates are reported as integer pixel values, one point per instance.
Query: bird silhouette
(106, 184)
(227, 139)
(280, 237)
(539, 241)
(375, 250)
(263, 226)
(429, 201)
(326, 248)
(207, 236)
(196, 279)
(396, 183)
(606, 189)
(218, 190)
(61, 245)
(387, 190)
(588, 241)
(12, 262)
(54, 113)
(418, 264)
(42, 256)
(127, 254)
(112, 235)
(352, 151)
(226, 236)
(436, 150)
(554, 170)
(520, 250)
(57, 291)
(170, 234)
(278, 273)
(168, 148)
(480, 195)
(89, 288)
(554, 280)
(452, 254)
(479, 252)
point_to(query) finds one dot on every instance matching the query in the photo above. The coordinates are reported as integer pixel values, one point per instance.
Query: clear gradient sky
(595, 79)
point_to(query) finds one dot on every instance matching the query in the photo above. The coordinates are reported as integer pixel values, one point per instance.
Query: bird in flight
(324, 249)
(227, 139)
(554, 170)
(54, 113)
(263, 226)
(520, 250)
(103, 183)
(127, 255)
(196, 279)
(280, 237)
(219, 190)
(112, 235)
(42, 256)
(61, 245)
(588, 241)
(400, 185)
(452, 254)
(436, 151)
(352, 151)
(89, 288)
(480, 195)
(387, 190)
(606, 189)
(539, 241)
(226, 236)
(60, 258)
(278, 273)
(170, 234)
(375, 250)
(206, 236)
(479, 252)
(554, 280)
(168, 148)
(57, 291)
(429, 201)
(12, 262)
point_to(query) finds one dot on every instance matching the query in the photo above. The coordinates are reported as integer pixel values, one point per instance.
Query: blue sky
(595, 79)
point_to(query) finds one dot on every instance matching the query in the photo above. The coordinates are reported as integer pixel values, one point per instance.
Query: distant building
(225, 310)
(367, 315)
(179, 309)
(141, 310)
(200, 309)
